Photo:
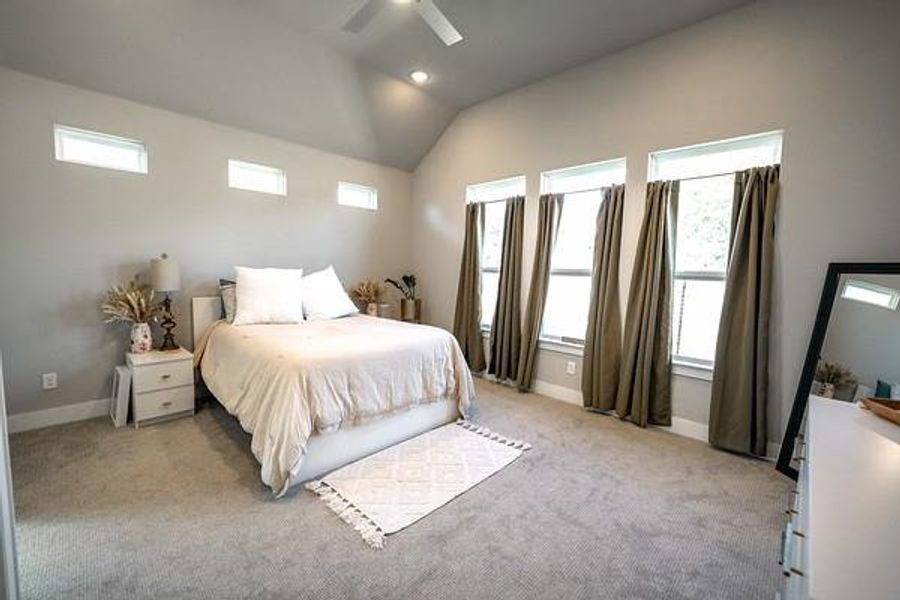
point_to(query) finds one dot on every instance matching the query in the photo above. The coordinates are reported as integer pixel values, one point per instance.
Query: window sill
(692, 370)
(561, 347)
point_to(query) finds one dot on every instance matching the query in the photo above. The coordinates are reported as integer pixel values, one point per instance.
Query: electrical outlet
(48, 381)
(570, 367)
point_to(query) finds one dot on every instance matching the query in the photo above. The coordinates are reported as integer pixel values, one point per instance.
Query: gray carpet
(597, 509)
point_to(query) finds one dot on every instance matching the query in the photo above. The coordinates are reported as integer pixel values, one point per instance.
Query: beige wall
(824, 71)
(67, 232)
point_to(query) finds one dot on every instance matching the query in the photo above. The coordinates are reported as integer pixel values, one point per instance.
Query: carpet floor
(597, 509)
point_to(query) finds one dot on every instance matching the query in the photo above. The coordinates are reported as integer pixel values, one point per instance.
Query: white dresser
(842, 538)
(162, 385)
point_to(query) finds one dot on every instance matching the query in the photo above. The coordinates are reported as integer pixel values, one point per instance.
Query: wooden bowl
(884, 408)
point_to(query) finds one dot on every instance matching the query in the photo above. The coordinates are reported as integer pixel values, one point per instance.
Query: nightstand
(162, 385)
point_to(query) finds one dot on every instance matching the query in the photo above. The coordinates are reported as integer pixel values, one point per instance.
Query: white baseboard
(692, 429)
(557, 392)
(57, 416)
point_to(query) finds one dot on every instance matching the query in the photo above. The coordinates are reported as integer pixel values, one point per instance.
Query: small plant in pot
(832, 375)
(410, 306)
(368, 293)
(132, 303)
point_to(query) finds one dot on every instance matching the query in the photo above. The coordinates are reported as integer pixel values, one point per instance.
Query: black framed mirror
(869, 295)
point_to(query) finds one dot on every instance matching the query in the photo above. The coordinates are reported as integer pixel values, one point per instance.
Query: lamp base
(168, 324)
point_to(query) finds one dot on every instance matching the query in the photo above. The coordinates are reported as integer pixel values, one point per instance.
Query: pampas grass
(130, 303)
(367, 291)
(833, 373)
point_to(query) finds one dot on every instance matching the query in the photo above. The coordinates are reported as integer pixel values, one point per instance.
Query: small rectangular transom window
(257, 178)
(871, 293)
(96, 149)
(360, 196)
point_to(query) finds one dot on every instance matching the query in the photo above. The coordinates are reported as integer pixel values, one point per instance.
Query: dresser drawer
(161, 403)
(164, 375)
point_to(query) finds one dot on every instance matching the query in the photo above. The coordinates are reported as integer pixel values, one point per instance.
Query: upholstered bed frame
(329, 451)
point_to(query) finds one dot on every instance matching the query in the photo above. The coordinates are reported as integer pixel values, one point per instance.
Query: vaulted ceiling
(286, 68)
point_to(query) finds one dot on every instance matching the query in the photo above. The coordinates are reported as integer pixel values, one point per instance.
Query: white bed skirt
(329, 451)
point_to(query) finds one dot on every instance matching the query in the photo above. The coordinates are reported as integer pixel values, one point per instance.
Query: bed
(321, 394)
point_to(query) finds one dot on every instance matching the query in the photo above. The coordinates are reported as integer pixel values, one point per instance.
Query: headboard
(205, 310)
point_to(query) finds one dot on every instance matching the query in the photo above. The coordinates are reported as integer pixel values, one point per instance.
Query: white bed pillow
(268, 296)
(324, 296)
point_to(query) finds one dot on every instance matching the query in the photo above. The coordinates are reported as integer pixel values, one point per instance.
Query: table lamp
(165, 277)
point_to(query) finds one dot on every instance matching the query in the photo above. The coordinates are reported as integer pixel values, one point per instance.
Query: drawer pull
(166, 376)
(167, 403)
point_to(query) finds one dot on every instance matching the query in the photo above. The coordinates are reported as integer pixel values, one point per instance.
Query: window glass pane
(574, 248)
(490, 281)
(704, 224)
(695, 316)
(566, 309)
(584, 177)
(99, 149)
(718, 157)
(359, 196)
(256, 178)
(491, 250)
(496, 190)
(870, 293)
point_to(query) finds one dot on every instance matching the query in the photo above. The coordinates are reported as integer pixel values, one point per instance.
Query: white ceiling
(285, 68)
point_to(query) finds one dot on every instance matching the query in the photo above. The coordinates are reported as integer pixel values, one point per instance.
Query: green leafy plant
(130, 303)
(835, 374)
(406, 285)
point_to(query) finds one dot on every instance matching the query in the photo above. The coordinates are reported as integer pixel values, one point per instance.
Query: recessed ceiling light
(419, 77)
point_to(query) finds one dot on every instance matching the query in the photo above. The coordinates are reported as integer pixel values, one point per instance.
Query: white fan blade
(438, 22)
(363, 16)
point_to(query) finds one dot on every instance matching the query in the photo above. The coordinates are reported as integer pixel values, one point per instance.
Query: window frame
(695, 366)
(894, 294)
(563, 343)
(519, 182)
(278, 171)
(61, 132)
(371, 191)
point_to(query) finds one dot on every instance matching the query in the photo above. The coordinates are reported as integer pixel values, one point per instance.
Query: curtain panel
(467, 317)
(738, 419)
(603, 337)
(506, 329)
(644, 390)
(549, 211)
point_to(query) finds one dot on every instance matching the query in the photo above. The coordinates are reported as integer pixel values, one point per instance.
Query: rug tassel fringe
(484, 431)
(348, 513)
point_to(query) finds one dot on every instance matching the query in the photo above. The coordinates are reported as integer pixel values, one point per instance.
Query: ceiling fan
(432, 15)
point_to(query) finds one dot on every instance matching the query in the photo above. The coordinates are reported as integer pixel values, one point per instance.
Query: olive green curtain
(549, 211)
(506, 328)
(643, 396)
(603, 337)
(467, 318)
(737, 419)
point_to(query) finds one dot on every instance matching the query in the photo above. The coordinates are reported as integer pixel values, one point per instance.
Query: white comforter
(283, 382)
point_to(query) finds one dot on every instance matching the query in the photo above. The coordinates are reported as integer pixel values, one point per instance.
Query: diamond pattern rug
(392, 489)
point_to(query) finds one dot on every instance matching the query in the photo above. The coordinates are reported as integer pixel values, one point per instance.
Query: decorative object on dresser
(165, 277)
(368, 294)
(162, 385)
(121, 389)
(132, 303)
(410, 306)
(831, 375)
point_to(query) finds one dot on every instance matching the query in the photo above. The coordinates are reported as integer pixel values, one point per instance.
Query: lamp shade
(164, 274)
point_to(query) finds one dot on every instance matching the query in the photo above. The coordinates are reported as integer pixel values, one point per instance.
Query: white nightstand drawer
(153, 405)
(162, 376)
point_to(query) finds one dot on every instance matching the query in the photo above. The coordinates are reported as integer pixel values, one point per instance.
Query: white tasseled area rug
(392, 489)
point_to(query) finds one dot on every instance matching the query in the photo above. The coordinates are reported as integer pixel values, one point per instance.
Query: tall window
(491, 193)
(568, 294)
(702, 233)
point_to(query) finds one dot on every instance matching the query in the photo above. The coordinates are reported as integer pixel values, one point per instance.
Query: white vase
(827, 390)
(141, 340)
(372, 309)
